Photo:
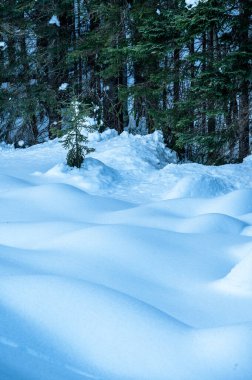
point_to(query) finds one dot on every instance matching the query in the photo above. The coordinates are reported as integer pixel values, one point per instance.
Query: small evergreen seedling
(74, 140)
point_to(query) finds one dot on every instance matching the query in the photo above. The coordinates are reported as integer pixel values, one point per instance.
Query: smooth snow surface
(131, 268)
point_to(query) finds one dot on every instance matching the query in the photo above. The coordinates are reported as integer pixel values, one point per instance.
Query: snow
(63, 86)
(54, 20)
(133, 267)
(3, 45)
(194, 3)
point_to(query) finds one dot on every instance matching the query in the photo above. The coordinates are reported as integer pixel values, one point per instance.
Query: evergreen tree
(75, 140)
(142, 64)
(211, 130)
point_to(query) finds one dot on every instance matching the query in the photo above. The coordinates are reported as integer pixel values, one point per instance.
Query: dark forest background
(138, 65)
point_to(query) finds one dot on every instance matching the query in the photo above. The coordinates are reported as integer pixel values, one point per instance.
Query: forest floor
(131, 268)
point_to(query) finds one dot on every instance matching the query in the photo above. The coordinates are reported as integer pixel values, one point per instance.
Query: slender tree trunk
(245, 17)
(211, 122)
(204, 105)
(165, 92)
(176, 88)
(191, 111)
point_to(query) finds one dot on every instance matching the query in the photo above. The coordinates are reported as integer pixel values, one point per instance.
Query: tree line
(139, 65)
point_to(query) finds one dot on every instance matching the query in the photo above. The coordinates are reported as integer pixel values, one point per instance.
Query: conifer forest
(125, 190)
(137, 65)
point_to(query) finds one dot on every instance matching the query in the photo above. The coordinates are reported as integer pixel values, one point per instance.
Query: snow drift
(131, 268)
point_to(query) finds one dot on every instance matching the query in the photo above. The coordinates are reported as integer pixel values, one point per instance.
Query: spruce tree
(75, 140)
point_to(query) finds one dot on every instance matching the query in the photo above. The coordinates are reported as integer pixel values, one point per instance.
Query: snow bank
(121, 335)
(200, 186)
(93, 176)
(132, 267)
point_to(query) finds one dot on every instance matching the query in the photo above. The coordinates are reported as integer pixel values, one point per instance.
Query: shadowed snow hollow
(239, 279)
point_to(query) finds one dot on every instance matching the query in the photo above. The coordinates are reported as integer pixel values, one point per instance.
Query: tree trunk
(211, 122)
(244, 49)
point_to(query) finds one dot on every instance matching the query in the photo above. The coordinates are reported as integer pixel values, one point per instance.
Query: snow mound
(8, 183)
(52, 202)
(106, 135)
(200, 186)
(100, 174)
(239, 280)
(93, 176)
(234, 204)
(160, 215)
(212, 223)
(47, 231)
(135, 152)
(117, 336)
(91, 332)
(247, 231)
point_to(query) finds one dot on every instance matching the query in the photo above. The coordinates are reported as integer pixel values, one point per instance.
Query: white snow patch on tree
(63, 86)
(54, 20)
(194, 3)
(3, 45)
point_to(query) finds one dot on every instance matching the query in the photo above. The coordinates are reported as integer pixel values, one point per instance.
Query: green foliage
(184, 70)
(75, 140)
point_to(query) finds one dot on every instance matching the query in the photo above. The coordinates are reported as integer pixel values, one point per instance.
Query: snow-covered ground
(132, 268)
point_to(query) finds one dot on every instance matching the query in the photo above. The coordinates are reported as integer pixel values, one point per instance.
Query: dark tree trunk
(211, 122)
(204, 104)
(245, 17)
(176, 91)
